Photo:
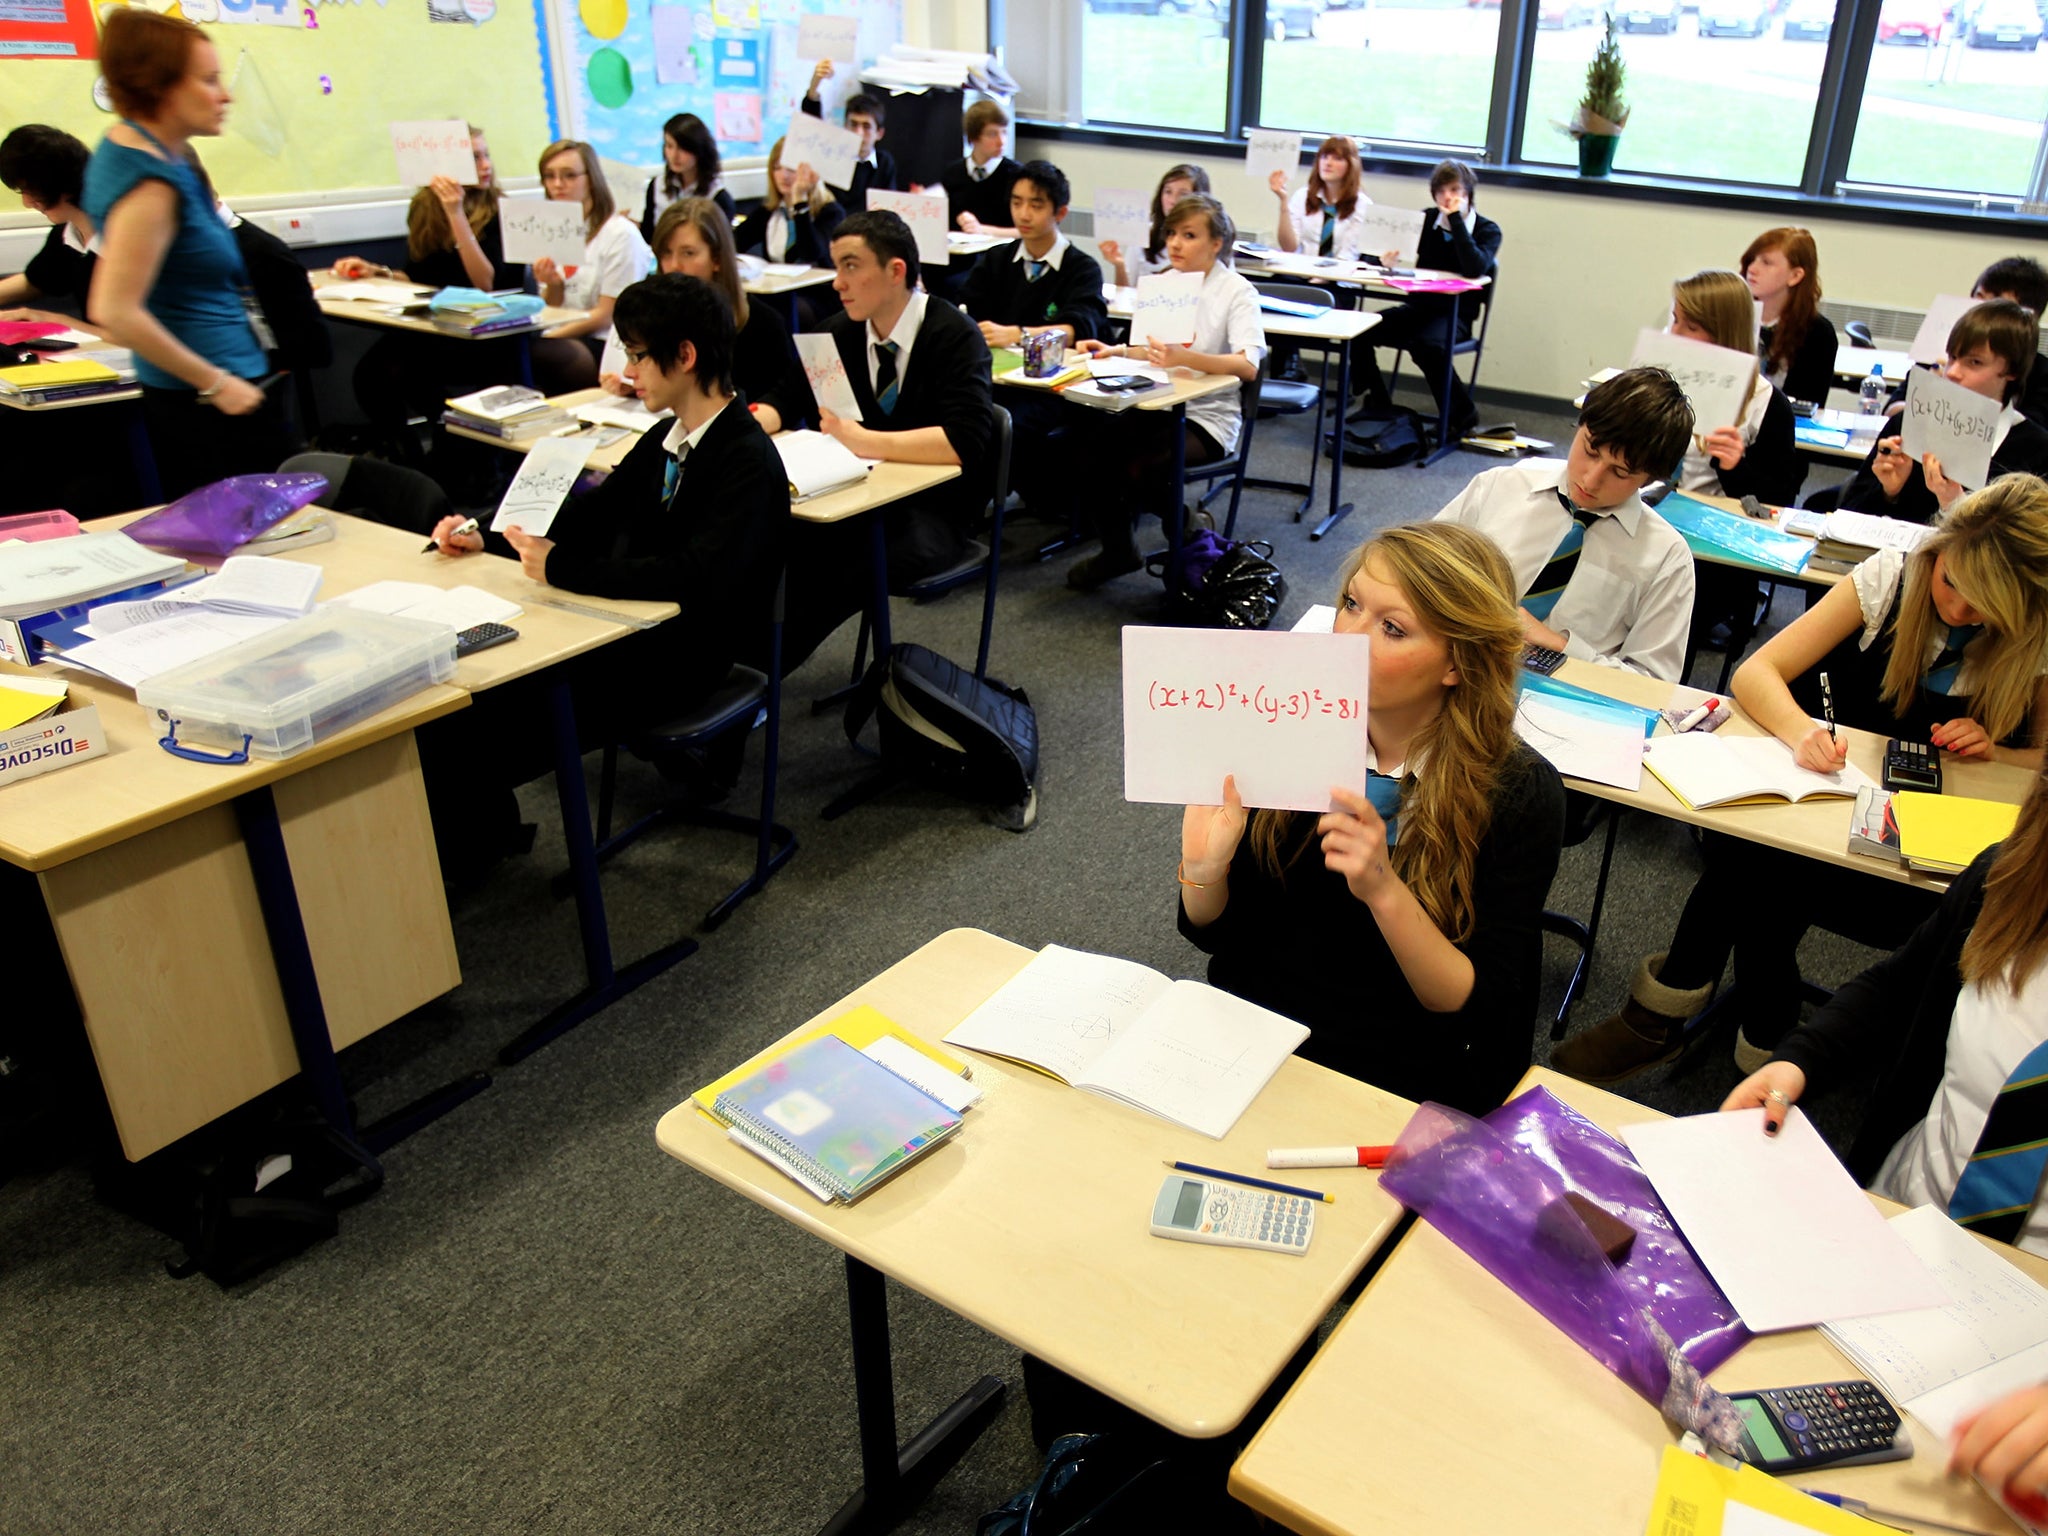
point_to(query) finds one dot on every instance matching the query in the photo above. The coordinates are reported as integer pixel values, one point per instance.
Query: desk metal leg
(271, 866)
(895, 1482)
(1337, 513)
(605, 986)
(884, 777)
(526, 359)
(1176, 480)
(1444, 444)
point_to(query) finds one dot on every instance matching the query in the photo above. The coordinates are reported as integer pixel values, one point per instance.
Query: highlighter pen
(1245, 1178)
(1871, 1512)
(468, 525)
(1827, 704)
(1327, 1157)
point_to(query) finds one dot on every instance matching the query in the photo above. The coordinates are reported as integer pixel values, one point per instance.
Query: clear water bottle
(1870, 397)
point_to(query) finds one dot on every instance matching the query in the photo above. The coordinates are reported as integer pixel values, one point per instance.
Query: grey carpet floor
(542, 1323)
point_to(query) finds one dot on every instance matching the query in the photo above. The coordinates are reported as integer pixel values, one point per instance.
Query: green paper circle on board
(603, 18)
(611, 78)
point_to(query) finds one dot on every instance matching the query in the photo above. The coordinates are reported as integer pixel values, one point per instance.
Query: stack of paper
(1854, 536)
(35, 578)
(133, 656)
(1584, 735)
(457, 607)
(817, 463)
(943, 1075)
(372, 290)
(633, 415)
(512, 412)
(1943, 833)
(246, 585)
(73, 378)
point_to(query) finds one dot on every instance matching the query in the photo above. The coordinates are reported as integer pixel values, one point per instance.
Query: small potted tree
(1602, 112)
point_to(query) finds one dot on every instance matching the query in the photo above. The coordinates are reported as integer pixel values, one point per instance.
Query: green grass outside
(2026, 103)
(1171, 72)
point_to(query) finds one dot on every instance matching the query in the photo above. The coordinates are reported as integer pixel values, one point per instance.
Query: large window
(1943, 100)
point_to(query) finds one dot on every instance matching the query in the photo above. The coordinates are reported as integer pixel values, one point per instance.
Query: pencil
(1245, 1178)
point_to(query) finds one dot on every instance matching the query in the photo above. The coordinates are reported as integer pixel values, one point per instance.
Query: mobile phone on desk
(1125, 383)
(1828, 1424)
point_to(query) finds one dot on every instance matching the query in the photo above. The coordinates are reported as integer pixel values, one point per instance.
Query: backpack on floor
(1382, 439)
(943, 726)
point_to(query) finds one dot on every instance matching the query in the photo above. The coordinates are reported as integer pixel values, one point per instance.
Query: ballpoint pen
(1827, 704)
(1882, 1516)
(1245, 1178)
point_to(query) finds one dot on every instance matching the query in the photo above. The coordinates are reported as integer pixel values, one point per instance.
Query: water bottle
(1870, 397)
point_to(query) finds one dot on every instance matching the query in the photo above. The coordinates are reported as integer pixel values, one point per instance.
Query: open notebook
(1180, 1050)
(1706, 770)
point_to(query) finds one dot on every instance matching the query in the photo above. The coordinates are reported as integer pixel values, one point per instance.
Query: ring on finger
(1776, 1096)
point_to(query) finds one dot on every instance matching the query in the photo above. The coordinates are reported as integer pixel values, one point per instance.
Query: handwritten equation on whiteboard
(1285, 713)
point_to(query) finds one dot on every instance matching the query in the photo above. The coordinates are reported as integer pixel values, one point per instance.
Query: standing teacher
(170, 282)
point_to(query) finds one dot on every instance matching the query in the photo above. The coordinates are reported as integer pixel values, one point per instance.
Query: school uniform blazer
(945, 385)
(1896, 1014)
(2024, 451)
(810, 232)
(766, 369)
(987, 199)
(999, 290)
(1468, 246)
(1812, 371)
(1771, 469)
(716, 550)
(880, 174)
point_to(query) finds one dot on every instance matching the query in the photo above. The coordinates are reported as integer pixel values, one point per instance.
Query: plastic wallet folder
(1713, 532)
(1693, 1495)
(860, 1028)
(1586, 702)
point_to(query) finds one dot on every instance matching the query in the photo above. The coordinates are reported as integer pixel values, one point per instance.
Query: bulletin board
(316, 87)
(622, 68)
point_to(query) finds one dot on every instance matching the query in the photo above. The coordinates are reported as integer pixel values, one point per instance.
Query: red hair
(1346, 200)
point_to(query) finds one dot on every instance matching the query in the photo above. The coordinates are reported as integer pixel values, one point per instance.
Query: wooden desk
(1444, 1403)
(1853, 364)
(1810, 577)
(1815, 829)
(363, 312)
(1033, 1223)
(772, 283)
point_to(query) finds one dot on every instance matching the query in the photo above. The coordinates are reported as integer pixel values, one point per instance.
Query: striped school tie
(672, 475)
(1550, 582)
(1329, 240)
(885, 375)
(1996, 1191)
(1034, 270)
(1941, 676)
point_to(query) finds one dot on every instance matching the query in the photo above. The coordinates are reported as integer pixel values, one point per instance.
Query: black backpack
(1382, 439)
(943, 726)
(286, 299)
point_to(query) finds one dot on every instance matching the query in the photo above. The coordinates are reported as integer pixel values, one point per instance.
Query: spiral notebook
(838, 1120)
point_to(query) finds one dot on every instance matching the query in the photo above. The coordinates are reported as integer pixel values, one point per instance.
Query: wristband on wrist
(220, 382)
(1180, 873)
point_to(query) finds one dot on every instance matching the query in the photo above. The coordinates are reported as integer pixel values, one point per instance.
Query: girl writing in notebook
(614, 258)
(1403, 926)
(1128, 266)
(694, 239)
(1797, 343)
(1947, 646)
(1955, 1017)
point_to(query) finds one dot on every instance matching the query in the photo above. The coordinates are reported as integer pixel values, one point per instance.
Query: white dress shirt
(1629, 600)
(613, 260)
(1349, 235)
(904, 335)
(679, 442)
(1052, 258)
(1227, 319)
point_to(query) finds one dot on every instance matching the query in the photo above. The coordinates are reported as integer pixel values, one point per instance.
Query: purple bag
(218, 519)
(1495, 1188)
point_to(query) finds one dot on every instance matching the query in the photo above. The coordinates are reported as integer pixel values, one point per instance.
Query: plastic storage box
(281, 691)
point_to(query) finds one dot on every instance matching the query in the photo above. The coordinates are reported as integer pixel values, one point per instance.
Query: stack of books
(481, 316)
(75, 378)
(515, 413)
(1847, 539)
(1931, 834)
(817, 464)
(49, 584)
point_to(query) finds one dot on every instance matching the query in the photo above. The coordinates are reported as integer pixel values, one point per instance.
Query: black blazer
(997, 290)
(766, 369)
(1470, 248)
(717, 549)
(1812, 373)
(1896, 1014)
(1771, 469)
(650, 215)
(945, 385)
(2024, 451)
(987, 199)
(444, 268)
(810, 233)
(881, 174)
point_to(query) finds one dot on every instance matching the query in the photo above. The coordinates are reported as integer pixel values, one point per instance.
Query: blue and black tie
(1034, 270)
(1329, 240)
(1550, 582)
(1998, 1184)
(1384, 791)
(885, 376)
(1941, 675)
(672, 475)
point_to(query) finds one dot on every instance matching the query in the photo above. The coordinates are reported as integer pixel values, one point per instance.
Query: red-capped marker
(1327, 1157)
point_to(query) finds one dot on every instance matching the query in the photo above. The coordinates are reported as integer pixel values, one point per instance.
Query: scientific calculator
(1832, 1423)
(1234, 1215)
(1911, 765)
(481, 637)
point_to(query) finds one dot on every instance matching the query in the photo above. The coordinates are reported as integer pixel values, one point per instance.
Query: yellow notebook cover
(49, 375)
(859, 1029)
(1950, 829)
(1693, 1493)
(25, 699)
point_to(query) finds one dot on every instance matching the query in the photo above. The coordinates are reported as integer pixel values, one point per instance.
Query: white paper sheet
(1930, 342)
(136, 655)
(1285, 713)
(427, 150)
(546, 476)
(1272, 149)
(1062, 1010)
(457, 607)
(1957, 425)
(826, 370)
(924, 212)
(1123, 214)
(264, 584)
(1386, 229)
(827, 149)
(1778, 1222)
(1166, 307)
(828, 37)
(1582, 743)
(535, 227)
(1715, 379)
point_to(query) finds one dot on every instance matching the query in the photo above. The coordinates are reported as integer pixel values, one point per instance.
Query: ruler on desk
(590, 612)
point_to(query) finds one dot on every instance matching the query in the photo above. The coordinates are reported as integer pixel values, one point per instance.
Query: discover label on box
(70, 736)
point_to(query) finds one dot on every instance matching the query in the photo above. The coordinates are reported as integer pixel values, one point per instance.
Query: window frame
(1824, 188)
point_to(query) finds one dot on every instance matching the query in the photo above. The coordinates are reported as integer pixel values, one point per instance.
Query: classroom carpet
(543, 1323)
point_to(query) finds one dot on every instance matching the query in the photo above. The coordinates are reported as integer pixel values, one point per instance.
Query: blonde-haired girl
(1404, 925)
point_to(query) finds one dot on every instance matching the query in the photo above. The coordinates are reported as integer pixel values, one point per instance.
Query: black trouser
(1419, 328)
(1131, 454)
(1759, 902)
(194, 444)
(562, 364)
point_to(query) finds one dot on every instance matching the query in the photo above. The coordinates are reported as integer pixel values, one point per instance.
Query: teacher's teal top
(198, 292)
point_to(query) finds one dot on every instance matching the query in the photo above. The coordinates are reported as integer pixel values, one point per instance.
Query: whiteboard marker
(1327, 1157)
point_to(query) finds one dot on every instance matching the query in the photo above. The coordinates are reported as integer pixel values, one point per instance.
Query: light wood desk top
(1444, 1403)
(769, 283)
(1033, 1221)
(1183, 385)
(1854, 364)
(1816, 829)
(367, 313)
(1323, 325)
(885, 482)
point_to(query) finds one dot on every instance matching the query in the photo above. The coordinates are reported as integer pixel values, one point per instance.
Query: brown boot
(1649, 1030)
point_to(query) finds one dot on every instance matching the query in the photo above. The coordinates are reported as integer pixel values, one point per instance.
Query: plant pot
(1596, 153)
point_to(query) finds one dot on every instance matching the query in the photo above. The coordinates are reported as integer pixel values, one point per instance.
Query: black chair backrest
(1859, 333)
(1000, 491)
(379, 492)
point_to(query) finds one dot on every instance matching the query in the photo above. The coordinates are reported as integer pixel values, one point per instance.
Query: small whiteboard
(1957, 425)
(1716, 380)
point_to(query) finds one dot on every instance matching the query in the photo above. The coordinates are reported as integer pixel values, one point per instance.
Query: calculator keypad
(1261, 1217)
(1835, 1419)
